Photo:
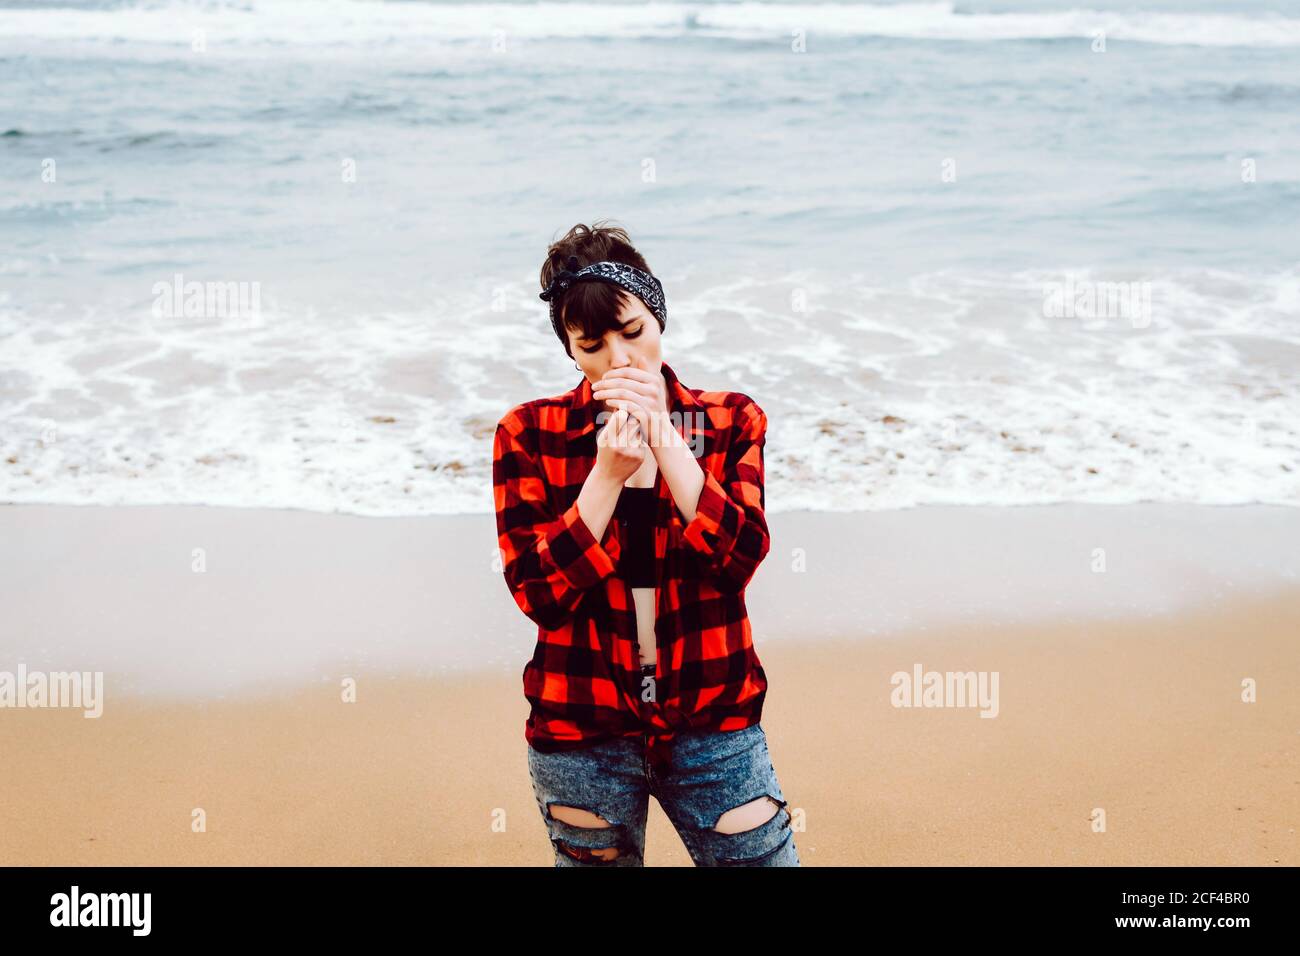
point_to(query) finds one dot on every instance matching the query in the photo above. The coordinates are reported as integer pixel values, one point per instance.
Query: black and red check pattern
(584, 680)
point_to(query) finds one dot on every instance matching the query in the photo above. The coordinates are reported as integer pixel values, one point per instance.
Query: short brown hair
(591, 307)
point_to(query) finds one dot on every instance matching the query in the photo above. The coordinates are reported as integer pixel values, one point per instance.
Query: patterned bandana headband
(639, 283)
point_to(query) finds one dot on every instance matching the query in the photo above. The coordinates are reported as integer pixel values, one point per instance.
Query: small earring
(577, 366)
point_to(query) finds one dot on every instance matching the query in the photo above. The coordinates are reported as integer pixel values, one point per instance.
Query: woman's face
(635, 345)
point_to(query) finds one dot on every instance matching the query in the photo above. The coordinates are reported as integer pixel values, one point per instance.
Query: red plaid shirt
(584, 680)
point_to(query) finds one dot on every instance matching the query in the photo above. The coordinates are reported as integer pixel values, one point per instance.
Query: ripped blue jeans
(709, 773)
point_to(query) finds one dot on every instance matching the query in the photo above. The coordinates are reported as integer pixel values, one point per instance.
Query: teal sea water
(863, 215)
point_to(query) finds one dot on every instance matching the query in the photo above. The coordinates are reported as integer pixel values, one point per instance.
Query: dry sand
(1140, 716)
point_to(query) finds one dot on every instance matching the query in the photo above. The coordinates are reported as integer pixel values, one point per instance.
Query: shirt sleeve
(550, 561)
(729, 530)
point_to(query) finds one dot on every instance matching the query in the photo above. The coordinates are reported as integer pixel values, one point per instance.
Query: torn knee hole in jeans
(587, 854)
(587, 820)
(751, 815)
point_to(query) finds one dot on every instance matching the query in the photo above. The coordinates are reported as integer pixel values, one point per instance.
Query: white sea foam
(317, 23)
(952, 388)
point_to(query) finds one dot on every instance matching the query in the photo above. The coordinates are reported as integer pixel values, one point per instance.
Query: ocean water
(974, 253)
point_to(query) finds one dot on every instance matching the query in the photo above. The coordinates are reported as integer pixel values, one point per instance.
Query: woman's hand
(620, 449)
(642, 393)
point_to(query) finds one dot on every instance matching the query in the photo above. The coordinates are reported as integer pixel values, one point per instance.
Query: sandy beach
(1018, 308)
(223, 688)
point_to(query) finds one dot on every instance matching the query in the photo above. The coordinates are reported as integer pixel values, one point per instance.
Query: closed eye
(627, 335)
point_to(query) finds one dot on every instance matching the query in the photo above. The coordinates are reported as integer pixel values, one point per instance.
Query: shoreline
(183, 600)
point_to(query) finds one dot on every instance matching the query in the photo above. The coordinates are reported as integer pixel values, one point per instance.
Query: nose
(620, 356)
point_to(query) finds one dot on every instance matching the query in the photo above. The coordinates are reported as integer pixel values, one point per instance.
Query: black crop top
(636, 508)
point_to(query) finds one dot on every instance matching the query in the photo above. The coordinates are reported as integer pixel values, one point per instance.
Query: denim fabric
(708, 773)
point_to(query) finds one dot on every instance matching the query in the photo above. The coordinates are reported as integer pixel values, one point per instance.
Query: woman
(630, 519)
